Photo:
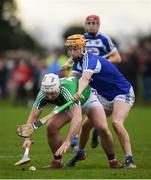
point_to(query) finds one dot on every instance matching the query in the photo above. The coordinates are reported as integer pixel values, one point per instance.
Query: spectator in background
(22, 75)
(145, 62)
(35, 65)
(54, 66)
(129, 66)
(54, 61)
(3, 78)
(43, 69)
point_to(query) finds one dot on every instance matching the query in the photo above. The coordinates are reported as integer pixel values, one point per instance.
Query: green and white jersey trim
(67, 95)
(69, 87)
(40, 97)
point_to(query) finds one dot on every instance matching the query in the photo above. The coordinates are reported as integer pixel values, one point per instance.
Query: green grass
(96, 166)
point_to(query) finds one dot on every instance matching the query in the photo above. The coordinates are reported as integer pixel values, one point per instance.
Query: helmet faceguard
(50, 83)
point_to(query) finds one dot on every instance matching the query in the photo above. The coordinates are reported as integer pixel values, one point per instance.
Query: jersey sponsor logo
(98, 43)
(94, 51)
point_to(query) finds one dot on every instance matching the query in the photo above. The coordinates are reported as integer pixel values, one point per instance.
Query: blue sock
(80, 153)
(128, 159)
(74, 141)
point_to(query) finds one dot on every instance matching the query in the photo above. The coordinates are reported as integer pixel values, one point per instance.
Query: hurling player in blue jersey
(101, 45)
(114, 92)
(97, 43)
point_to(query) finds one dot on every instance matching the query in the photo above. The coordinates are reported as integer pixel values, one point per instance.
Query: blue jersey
(106, 78)
(99, 44)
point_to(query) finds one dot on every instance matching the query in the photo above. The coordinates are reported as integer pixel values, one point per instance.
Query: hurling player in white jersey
(114, 91)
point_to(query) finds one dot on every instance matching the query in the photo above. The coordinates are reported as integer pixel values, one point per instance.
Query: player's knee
(117, 124)
(51, 127)
(86, 127)
(104, 132)
(103, 128)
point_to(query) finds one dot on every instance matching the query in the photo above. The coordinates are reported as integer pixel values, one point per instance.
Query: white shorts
(89, 104)
(128, 98)
(93, 101)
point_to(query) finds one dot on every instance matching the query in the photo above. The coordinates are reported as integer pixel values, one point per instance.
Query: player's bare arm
(34, 115)
(72, 74)
(83, 83)
(115, 58)
(67, 65)
(74, 129)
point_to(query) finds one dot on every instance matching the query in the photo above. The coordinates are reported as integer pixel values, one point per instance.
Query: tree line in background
(13, 36)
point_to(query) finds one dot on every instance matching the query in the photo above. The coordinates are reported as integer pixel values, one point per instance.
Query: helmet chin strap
(82, 51)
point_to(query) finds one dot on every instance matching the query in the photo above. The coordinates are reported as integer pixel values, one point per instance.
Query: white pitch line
(14, 157)
(8, 156)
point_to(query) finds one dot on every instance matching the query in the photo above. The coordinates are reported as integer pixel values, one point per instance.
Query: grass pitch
(95, 167)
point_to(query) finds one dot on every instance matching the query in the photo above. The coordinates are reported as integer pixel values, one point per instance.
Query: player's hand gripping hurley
(26, 130)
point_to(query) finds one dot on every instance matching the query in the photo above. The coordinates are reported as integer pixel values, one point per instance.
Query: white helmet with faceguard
(50, 83)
